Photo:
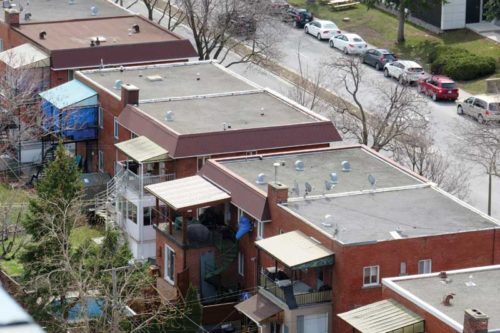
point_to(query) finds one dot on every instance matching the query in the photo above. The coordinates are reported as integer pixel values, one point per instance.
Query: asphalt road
(313, 57)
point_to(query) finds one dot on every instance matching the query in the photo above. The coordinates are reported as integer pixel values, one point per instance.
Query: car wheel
(434, 97)
(306, 30)
(460, 110)
(386, 72)
(319, 36)
(377, 66)
(480, 119)
(331, 44)
(345, 51)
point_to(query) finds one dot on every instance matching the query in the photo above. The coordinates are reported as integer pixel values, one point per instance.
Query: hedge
(460, 64)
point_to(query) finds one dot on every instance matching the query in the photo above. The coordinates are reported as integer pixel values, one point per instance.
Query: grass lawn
(380, 29)
(83, 233)
(12, 267)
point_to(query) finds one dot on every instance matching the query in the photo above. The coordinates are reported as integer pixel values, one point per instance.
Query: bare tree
(396, 111)
(480, 145)
(11, 230)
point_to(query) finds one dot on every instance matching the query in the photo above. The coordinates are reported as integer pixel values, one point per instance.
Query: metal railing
(312, 297)
(133, 181)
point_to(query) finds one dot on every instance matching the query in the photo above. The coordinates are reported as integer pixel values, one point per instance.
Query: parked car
(438, 87)
(483, 108)
(322, 29)
(278, 7)
(405, 71)
(349, 43)
(378, 58)
(299, 16)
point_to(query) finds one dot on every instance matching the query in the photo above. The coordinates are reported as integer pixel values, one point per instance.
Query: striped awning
(188, 192)
(141, 150)
(380, 317)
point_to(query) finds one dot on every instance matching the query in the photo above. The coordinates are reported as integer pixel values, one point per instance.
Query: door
(472, 11)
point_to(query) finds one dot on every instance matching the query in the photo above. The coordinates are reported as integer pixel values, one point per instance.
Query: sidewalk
(486, 29)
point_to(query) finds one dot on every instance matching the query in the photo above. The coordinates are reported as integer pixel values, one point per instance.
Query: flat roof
(389, 214)
(318, 165)
(171, 80)
(141, 149)
(255, 109)
(110, 30)
(59, 10)
(473, 288)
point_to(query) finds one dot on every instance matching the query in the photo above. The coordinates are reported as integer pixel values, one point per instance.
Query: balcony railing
(133, 181)
(303, 294)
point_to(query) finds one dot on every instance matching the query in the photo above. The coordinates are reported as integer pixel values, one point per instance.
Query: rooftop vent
(373, 181)
(118, 84)
(346, 166)
(154, 78)
(92, 43)
(295, 188)
(328, 185)
(447, 299)
(299, 165)
(327, 222)
(261, 179)
(6, 4)
(100, 39)
(71, 2)
(198, 77)
(308, 188)
(42, 34)
(94, 11)
(226, 126)
(136, 28)
(27, 16)
(443, 275)
(169, 116)
(334, 179)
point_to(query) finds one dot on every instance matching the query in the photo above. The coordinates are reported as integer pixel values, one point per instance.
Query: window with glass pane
(131, 212)
(424, 266)
(300, 324)
(370, 276)
(147, 217)
(169, 264)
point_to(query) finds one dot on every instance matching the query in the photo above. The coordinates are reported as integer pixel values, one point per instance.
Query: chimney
(475, 321)
(277, 192)
(11, 17)
(129, 95)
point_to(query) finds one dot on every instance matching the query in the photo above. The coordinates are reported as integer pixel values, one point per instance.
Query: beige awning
(296, 250)
(25, 56)
(258, 308)
(189, 192)
(380, 317)
(141, 150)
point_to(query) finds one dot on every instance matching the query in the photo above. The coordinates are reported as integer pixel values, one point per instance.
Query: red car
(438, 87)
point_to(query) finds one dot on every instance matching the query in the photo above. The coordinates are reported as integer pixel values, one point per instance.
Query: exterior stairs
(105, 201)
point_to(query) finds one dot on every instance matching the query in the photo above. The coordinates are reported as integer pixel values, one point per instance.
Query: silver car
(483, 108)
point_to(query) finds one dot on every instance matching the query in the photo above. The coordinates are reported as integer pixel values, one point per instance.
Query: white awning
(188, 192)
(141, 149)
(380, 317)
(296, 250)
(25, 56)
(258, 308)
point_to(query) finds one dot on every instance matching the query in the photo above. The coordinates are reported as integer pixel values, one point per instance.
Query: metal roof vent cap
(118, 84)
(71, 2)
(334, 179)
(299, 165)
(169, 116)
(261, 179)
(94, 11)
(346, 166)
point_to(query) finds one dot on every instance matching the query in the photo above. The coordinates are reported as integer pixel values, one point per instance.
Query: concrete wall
(453, 15)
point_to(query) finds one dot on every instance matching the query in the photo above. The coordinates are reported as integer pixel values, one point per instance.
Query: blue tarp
(70, 93)
(245, 226)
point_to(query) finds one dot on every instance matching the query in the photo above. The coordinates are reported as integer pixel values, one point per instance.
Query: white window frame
(101, 118)
(425, 266)
(260, 230)
(116, 129)
(100, 161)
(403, 268)
(168, 251)
(241, 263)
(371, 269)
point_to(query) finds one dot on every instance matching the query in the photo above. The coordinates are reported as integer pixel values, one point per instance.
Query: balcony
(286, 290)
(133, 182)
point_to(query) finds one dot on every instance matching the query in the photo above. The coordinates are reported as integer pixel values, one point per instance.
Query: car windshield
(494, 106)
(415, 70)
(448, 85)
(389, 56)
(330, 26)
(356, 39)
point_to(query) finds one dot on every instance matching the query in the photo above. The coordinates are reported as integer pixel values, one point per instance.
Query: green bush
(460, 64)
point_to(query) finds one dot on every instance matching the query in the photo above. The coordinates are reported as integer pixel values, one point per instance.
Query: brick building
(358, 216)
(162, 122)
(465, 300)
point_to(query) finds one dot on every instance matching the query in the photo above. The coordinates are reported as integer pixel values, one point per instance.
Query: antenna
(373, 181)
(276, 166)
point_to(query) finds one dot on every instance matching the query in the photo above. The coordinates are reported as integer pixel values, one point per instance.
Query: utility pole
(115, 302)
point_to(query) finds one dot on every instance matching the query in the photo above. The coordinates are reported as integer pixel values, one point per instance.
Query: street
(314, 54)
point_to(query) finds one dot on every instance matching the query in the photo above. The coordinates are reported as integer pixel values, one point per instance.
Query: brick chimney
(129, 95)
(11, 17)
(277, 192)
(475, 321)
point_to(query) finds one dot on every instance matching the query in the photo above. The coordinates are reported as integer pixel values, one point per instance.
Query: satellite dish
(328, 185)
(299, 165)
(308, 188)
(372, 180)
(296, 189)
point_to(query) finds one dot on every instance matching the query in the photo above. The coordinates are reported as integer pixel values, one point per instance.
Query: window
(317, 323)
(147, 218)
(260, 230)
(101, 117)
(1, 45)
(169, 264)
(370, 276)
(480, 104)
(402, 268)
(131, 212)
(424, 266)
(241, 263)
(115, 127)
(100, 161)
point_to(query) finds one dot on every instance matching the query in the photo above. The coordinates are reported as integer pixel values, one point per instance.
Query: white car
(322, 29)
(349, 43)
(405, 71)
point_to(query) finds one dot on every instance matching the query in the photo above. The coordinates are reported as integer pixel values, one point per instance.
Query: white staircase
(105, 201)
